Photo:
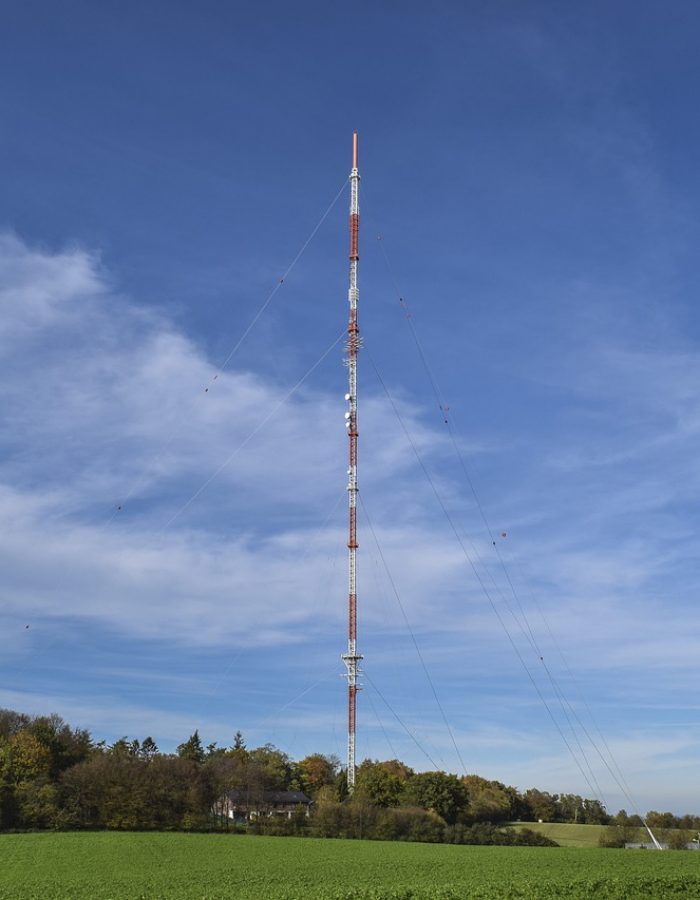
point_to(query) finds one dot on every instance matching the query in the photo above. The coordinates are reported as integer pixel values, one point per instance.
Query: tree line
(55, 776)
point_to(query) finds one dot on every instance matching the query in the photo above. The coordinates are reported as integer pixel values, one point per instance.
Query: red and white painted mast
(352, 658)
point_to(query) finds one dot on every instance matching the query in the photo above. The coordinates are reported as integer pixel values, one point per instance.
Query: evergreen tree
(192, 749)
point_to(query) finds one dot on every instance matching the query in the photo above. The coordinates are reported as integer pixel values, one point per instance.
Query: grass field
(113, 866)
(567, 835)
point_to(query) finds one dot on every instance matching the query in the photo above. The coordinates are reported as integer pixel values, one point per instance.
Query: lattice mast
(352, 658)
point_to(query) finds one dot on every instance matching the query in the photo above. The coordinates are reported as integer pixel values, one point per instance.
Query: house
(243, 806)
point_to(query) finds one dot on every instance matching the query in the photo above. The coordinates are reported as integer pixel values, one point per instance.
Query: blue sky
(531, 170)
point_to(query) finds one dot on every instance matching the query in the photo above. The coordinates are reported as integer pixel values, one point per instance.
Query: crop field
(112, 866)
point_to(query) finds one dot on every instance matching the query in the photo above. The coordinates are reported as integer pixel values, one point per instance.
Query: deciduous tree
(444, 794)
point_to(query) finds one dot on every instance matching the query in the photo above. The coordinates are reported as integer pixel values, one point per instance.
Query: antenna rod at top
(354, 149)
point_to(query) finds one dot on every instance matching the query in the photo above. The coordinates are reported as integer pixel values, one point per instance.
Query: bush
(360, 820)
(486, 833)
(679, 839)
(615, 836)
(526, 837)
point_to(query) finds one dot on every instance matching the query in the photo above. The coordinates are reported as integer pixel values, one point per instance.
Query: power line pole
(352, 658)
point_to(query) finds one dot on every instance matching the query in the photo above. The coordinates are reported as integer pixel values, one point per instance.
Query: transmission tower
(352, 658)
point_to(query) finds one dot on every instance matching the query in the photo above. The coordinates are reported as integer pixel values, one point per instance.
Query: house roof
(278, 798)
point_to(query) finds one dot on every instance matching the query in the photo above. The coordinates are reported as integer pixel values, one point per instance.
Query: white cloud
(108, 408)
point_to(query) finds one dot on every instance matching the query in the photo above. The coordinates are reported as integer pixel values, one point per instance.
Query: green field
(112, 866)
(568, 835)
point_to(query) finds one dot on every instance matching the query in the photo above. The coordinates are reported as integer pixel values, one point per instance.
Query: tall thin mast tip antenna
(354, 149)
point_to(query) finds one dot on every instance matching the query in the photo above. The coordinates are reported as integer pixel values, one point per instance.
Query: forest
(55, 776)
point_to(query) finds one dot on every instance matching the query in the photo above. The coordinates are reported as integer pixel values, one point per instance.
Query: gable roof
(277, 798)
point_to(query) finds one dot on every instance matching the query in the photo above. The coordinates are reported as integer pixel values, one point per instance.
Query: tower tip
(354, 149)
